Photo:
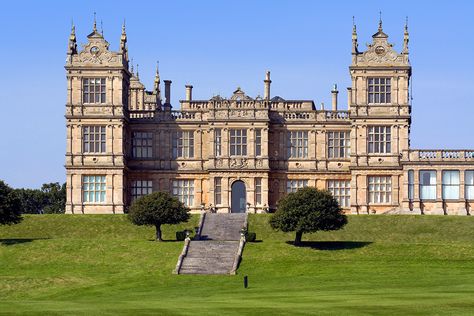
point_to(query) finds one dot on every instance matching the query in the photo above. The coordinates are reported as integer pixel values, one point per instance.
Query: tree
(156, 209)
(32, 201)
(55, 195)
(10, 206)
(308, 210)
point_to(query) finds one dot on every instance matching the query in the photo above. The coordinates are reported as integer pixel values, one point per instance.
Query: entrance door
(239, 201)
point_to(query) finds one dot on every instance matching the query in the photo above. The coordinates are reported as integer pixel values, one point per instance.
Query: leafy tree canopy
(10, 206)
(308, 210)
(156, 209)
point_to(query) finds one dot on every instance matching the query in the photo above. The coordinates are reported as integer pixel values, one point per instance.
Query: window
(341, 190)
(93, 139)
(450, 182)
(258, 191)
(258, 142)
(218, 142)
(411, 185)
(142, 144)
(298, 144)
(184, 191)
(183, 144)
(93, 189)
(238, 142)
(379, 90)
(428, 185)
(339, 144)
(93, 90)
(469, 183)
(379, 139)
(218, 191)
(380, 189)
(141, 188)
(294, 185)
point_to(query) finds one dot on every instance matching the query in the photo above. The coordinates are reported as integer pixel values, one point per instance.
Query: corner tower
(380, 111)
(97, 101)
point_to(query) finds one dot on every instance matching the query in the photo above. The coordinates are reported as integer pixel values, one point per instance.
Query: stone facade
(242, 154)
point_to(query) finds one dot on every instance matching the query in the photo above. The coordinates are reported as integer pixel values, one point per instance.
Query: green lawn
(103, 265)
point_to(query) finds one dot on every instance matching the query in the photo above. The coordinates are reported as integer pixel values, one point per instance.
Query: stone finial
(94, 28)
(355, 48)
(380, 22)
(406, 38)
(72, 47)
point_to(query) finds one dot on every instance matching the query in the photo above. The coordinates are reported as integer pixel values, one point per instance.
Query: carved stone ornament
(96, 51)
(238, 163)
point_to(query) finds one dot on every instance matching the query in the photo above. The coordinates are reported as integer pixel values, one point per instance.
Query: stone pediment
(380, 53)
(239, 95)
(96, 51)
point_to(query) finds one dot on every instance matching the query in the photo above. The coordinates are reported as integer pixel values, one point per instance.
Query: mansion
(242, 153)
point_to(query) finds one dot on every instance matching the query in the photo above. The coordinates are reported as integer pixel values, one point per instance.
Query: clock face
(379, 50)
(94, 50)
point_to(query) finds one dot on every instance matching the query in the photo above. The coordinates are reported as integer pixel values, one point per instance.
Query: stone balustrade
(142, 114)
(165, 116)
(438, 155)
(336, 115)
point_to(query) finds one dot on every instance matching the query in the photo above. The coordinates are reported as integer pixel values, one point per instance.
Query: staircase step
(216, 251)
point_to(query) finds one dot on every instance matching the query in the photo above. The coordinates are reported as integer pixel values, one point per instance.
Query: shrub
(250, 237)
(181, 235)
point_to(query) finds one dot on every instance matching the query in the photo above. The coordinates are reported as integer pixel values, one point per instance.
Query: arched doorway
(238, 197)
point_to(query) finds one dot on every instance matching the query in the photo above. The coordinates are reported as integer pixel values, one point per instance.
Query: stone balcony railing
(438, 155)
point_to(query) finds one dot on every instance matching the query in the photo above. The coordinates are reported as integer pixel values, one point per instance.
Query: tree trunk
(298, 238)
(158, 233)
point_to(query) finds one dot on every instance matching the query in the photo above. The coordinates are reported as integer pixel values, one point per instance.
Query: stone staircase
(218, 248)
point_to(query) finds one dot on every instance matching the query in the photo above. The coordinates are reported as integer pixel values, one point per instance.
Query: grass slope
(377, 265)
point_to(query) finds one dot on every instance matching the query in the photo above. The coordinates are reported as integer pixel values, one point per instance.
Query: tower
(381, 115)
(97, 101)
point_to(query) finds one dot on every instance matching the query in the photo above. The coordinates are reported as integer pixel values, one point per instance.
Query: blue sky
(219, 45)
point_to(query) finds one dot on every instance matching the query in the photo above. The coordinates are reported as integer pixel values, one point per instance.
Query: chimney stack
(267, 81)
(189, 92)
(334, 93)
(167, 91)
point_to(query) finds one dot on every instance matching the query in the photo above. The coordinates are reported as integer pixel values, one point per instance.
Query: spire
(380, 33)
(101, 28)
(405, 38)
(94, 29)
(138, 76)
(354, 37)
(156, 87)
(123, 41)
(72, 47)
(380, 21)
(131, 69)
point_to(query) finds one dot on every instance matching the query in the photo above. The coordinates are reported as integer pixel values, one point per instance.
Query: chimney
(189, 92)
(266, 93)
(334, 93)
(167, 91)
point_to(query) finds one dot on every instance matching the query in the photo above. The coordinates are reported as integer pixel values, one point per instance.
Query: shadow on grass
(331, 245)
(15, 241)
(165, 240)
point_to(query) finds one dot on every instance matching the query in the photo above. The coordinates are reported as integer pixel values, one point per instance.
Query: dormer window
(379, 91)
(93, 90)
